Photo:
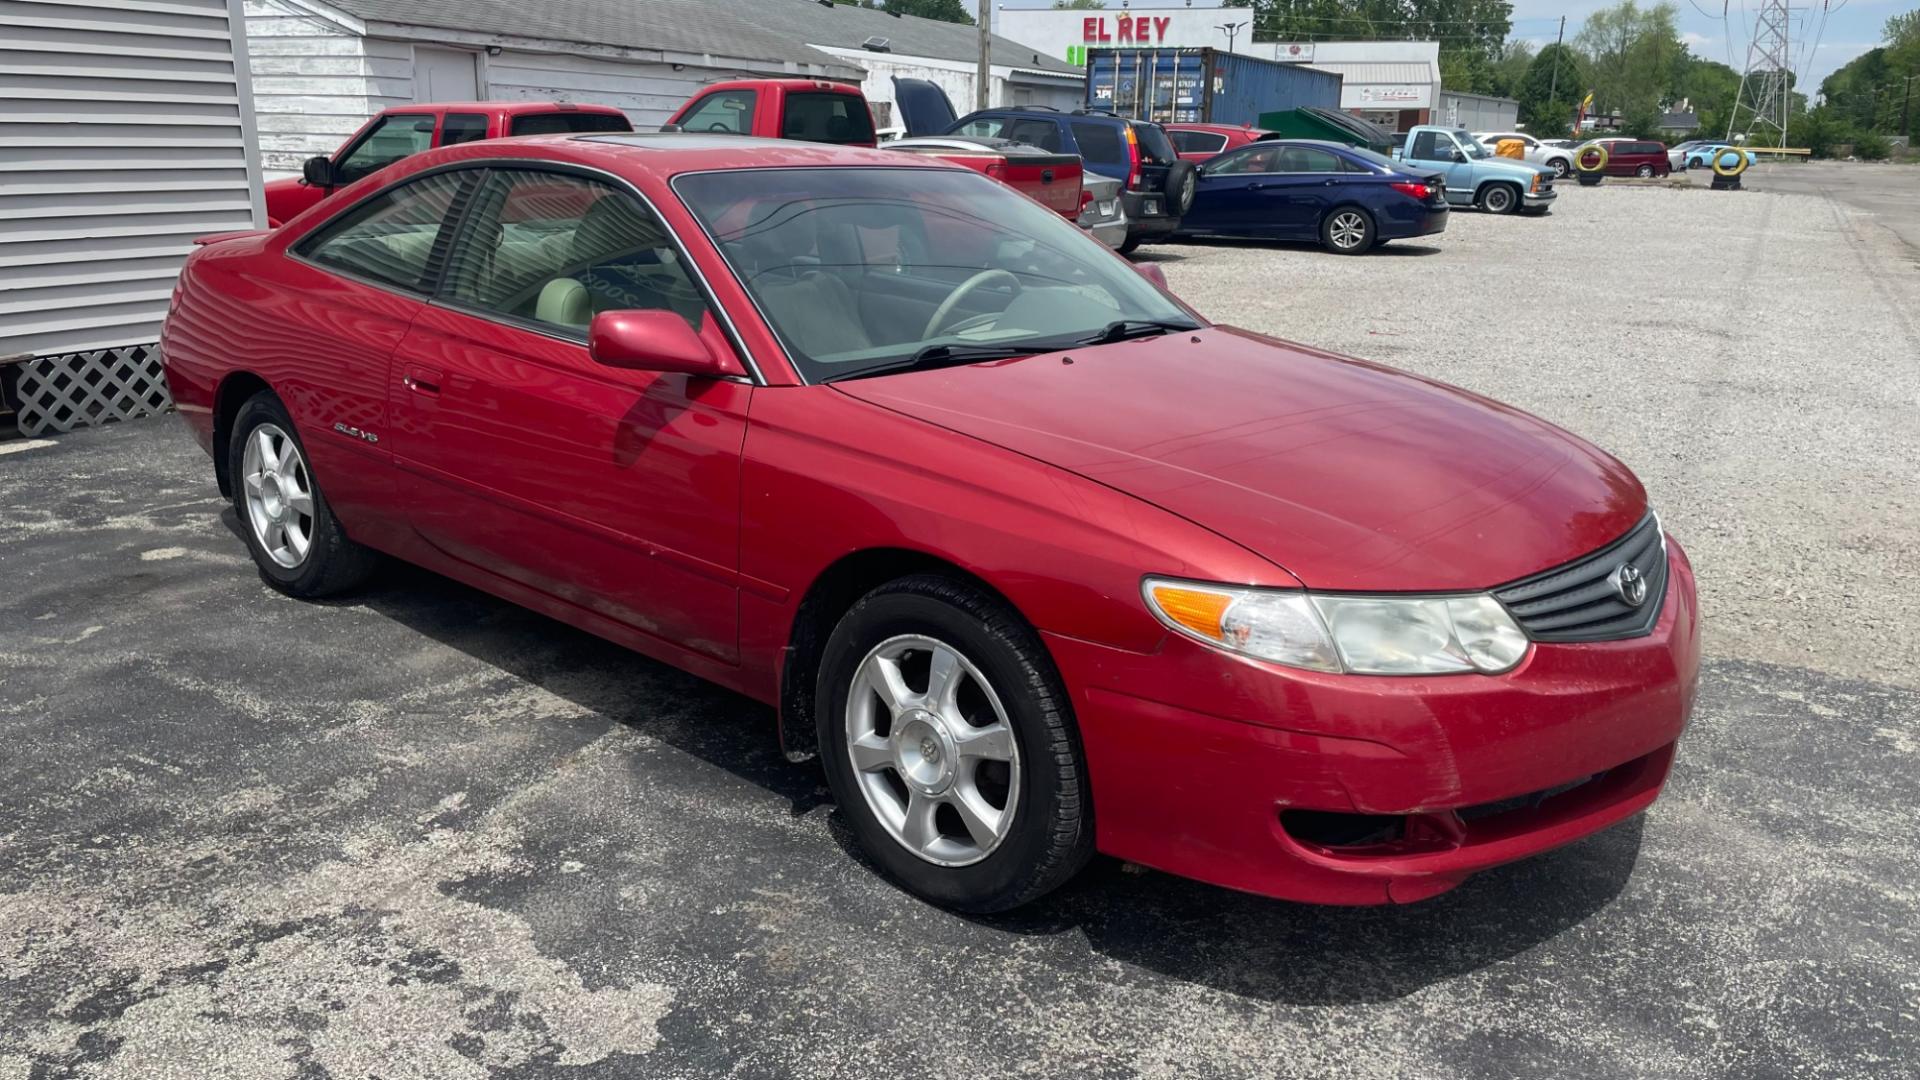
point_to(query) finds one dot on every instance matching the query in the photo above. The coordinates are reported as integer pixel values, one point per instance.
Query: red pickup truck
(408, 129)
(818, 111)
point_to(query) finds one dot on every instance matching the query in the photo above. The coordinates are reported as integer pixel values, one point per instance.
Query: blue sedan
(1702, 157)
(1346, 198)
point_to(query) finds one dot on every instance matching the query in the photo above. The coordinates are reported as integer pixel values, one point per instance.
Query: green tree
(953, 11)
(1710, 88)
(1471, 33)
(1634, 56)
(1548, 97)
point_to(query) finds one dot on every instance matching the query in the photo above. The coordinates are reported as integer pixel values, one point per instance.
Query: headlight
(1364, 635)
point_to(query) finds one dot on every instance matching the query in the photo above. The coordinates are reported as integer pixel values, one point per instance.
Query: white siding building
(126, 130)
(322, 67)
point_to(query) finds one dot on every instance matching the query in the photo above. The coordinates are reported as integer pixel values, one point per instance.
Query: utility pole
(983, 78)
(1906, 99)
(1553, 85)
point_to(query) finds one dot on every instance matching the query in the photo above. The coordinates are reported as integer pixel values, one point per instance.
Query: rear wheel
(1347, 231)
(1500, 199)
(950, 747)
(1644, 172)
(1129, 245)
(290, 530)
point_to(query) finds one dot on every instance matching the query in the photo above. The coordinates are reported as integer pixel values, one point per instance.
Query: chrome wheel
(1499, 200)
(932, 750)
(279, 495)
(1347, 230)
(1561, 170)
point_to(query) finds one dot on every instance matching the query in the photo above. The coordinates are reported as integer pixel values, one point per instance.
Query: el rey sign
(1125, 30)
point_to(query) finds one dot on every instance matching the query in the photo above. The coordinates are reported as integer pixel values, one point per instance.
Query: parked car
(1634, 157)
(1105, 210)
(1346, 198)
(1053, 179)
(409, 129)
(1473, 175)
(1557, 158)
(807, 110)
(1198, 142)
(1037, 560)
(1701, 155)
(1159, 186)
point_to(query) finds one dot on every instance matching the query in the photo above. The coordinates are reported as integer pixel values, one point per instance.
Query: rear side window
(1044, 134)
(827, 118)
(982, 127)
(1100, 142)
(390, 237)
(1303, 159)
(562, 123)
(1197, 142)
(726, 112)
(462, 127)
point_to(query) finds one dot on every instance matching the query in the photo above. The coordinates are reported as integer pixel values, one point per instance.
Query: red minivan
(1638, 157)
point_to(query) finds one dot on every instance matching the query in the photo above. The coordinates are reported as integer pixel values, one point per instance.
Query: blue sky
(1847, 32)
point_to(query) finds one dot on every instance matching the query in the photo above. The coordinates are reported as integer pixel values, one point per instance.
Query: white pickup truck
(1557, 158)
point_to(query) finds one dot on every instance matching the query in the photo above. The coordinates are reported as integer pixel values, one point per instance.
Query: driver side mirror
(654, 340)
(318, 172)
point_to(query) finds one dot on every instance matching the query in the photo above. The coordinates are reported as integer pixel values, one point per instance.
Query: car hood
(1349, 475)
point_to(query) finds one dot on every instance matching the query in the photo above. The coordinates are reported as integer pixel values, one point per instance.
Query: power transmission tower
(1766, 87)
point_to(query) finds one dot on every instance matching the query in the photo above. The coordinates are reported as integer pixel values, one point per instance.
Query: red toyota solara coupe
(1036, 559)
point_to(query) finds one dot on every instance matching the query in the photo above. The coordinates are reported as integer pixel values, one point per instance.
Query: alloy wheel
(279, 495)
(1499, 199)
(1646, 172)
(1348, 229)
(933, 751)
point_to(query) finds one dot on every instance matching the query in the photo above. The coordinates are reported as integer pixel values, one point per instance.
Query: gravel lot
(423, 834)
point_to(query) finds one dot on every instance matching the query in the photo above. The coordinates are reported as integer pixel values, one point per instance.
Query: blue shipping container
(1204, 86)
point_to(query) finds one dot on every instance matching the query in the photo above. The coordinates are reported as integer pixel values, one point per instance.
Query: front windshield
(863, 269)
(1471, 148)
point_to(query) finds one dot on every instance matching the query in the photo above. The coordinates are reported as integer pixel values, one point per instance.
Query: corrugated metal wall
(124, 133)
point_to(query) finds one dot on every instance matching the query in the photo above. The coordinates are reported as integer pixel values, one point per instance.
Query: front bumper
(1200, 762)
(1539, 198)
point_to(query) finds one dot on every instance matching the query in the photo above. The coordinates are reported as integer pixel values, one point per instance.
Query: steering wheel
(945, 311)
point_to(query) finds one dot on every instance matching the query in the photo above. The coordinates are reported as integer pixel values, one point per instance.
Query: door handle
(1328, 183)
(1255, 187)
(422, 381)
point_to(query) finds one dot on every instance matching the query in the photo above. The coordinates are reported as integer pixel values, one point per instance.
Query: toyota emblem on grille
(1631, 584)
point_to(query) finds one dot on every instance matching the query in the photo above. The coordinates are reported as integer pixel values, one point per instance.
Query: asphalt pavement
(420, 833)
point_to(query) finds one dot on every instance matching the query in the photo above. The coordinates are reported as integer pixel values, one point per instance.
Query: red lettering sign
(1160, 24)
(1094, 27)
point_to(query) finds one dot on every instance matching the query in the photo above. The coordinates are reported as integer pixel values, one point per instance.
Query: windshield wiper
(1123, 329)
(933, 356)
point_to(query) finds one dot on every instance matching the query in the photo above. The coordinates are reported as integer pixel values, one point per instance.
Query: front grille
(1581, 601)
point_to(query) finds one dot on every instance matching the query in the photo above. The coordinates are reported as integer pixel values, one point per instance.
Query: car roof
(665, 154)
(510, 108)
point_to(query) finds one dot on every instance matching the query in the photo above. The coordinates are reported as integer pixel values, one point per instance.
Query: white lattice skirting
(60, 393)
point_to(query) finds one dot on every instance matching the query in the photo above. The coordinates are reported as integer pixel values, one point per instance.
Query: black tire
(1051, 836)
(333, 562)
(1129, 245)
(1338, 227)
(1500, 198)
(1179, 188)
(1644, 172)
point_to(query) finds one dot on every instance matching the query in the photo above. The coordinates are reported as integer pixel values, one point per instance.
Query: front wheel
(1347, 231)
(1500, 199)
(950, 746)
(1562, 168)
(290, 530)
